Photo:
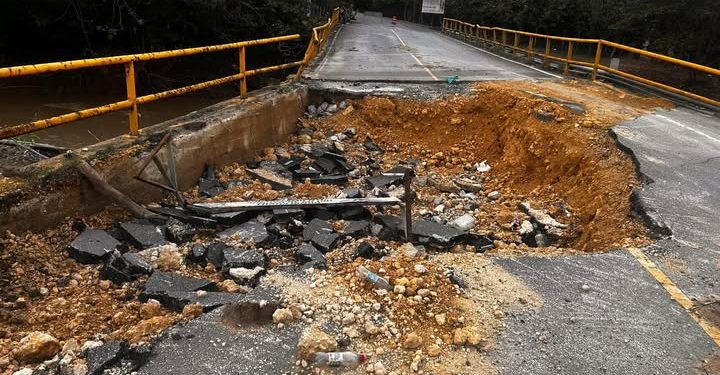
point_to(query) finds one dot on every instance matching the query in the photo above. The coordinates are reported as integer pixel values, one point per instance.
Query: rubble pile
(304, 218)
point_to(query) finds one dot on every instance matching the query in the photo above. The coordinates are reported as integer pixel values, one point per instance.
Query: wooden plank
(216, 208)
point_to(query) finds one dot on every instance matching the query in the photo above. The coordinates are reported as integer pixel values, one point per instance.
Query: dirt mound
(538, 150)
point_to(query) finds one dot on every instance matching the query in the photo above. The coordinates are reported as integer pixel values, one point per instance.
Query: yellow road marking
(675, 293)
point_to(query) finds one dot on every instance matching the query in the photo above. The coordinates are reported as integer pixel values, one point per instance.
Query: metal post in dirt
(243, 71)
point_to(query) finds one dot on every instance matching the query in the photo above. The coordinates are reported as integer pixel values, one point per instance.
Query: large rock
(100, 358)
(245, 258)
(315, 227)
(252, 230)
(93, 246)
(276, 180)
(142, 236)
(310, 257)
(325, 241)
(37, 347)
(313, 341)
(247, 276)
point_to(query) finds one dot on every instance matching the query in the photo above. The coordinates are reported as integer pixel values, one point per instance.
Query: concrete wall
(231, 131)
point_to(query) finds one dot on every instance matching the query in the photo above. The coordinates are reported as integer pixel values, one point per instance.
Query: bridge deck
(371, 49)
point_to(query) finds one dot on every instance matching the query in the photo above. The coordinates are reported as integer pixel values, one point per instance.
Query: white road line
(689, 128)
(506, 59)
(427, 70)
(329, 50)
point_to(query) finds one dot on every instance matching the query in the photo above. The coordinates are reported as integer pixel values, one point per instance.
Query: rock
(325, 241)
(231, 286)
(142, 236)
(36, 347)
(233, 218)
(93, 246)
(441, 319)
(421, 269)
(282, 316)
(210, 188)
(276, 180)
(541, 240)
(494, 195)
(365, 250)
(465, 222)
(468, 185)
(103, 357)
(467, 336)
(315, 227)
(245, 276)
(250, 231)
(332, 108)
(237, 258)
(179, 232)
(379, 368)
(161, 286)
(71, 346)
(371, 146)
(456, 279)
(478, 241)
(352, 193)
(357, 229)
(312, 110)
(150, 309)
(313, 341)
(544, 116)
(25, 371)
(309, 256)
(354, 213)
(169, 258)
(438, 235)
(192, 311)
(399, 289)
(285, 215)
(197, 253)
(412, 341)
(408, 250)
(215, 254)
(541, 217)
(482, 167)
(334, 179)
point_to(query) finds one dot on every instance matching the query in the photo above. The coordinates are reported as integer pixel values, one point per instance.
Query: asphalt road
(371, 49)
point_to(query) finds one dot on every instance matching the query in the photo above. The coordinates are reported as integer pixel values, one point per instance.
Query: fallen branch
(107, 190)
(34, 146)
(26, 148)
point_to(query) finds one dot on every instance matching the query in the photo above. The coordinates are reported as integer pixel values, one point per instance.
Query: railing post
(516, 44)
(548, 42)
(598, 55)
(530, 48)
(132, 97)
(243, 70)
(504, 38)
(569, 57)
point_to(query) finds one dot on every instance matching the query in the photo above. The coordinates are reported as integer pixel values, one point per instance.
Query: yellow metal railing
(508, 38)
(318, 39)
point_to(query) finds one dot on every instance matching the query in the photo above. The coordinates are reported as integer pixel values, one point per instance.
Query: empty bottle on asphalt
(338, 359)
(380, 282)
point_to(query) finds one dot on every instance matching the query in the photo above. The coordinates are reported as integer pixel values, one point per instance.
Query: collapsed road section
(361, 241)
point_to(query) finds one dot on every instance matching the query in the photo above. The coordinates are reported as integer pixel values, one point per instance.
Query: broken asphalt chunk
(310, 257)
(284, 215)
(371, 146)
(167, 287)
(242, 258)
(357, 229)
(480, 242)
(210, 188)
(209, 301)
(439, 235)
(197, 253)
(325, 164)
(302, 174)
(100, 358)
(142, 236)
(233, 218)
(365, 250)
(316, 226)
(250, 231)
(179, 232)
(325, 241)
(334, 179)
(276, 181)
(93, 246)
(247, 276)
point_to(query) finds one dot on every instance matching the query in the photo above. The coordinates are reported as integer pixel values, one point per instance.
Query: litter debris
(373, 278)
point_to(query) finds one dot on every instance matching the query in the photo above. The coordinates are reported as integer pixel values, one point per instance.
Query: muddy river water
(21, 108)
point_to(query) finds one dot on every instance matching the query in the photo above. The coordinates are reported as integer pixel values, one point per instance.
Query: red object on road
(394, 21)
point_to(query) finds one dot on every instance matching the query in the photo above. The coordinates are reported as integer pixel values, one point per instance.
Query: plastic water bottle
(380, 282)
(338, 359)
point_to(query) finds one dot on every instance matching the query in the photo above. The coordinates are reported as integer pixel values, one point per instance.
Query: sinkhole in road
(557, 156)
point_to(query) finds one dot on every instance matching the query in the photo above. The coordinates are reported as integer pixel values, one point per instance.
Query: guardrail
(495, 36)
(318, 39)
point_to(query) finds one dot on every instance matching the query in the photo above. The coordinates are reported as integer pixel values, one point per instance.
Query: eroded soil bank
(477, 158)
